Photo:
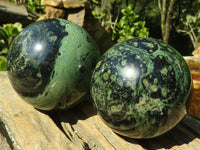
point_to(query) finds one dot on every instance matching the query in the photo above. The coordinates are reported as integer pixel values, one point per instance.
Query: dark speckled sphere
(140, 87)
(50, 63)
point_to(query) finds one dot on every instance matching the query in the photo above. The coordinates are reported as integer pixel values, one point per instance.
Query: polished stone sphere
(50, 63)
(140, 87)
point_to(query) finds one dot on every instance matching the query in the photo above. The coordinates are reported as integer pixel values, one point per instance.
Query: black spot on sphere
(34, 50)
(82, 69)
(140, 84)
(83, 58)
(94, 61)
(53, 72)
(79, 45)
(150, 46)
(46, 93)
(89, 39)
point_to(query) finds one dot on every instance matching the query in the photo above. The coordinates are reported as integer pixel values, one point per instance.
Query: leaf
(121, 23)
(3, 63)
(3, 34)
(18, 26)
(129, 26)
(4, 51)
(7, 33)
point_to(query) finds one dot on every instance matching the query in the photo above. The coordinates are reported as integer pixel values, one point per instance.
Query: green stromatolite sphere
(50, 63)
(140, 87)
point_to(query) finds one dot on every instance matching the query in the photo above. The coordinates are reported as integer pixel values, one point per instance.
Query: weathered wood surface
(23, 127)
(194, 105)
(26, 127)
(8, 7)
(11, 13)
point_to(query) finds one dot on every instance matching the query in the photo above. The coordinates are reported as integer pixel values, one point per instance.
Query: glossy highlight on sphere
(140, 87)
(50, 63)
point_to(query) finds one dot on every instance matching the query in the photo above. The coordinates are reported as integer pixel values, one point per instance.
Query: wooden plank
(194, 105)
(5, 142)
(11, 8)
(80, 127)
(11, 13)
(84, 127)
(28, 129)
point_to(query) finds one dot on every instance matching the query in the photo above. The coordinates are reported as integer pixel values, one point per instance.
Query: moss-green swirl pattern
(50, 63)
(140, 87)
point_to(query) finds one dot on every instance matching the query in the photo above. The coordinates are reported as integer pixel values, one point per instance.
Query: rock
(196, 51)
(28, 128)
(64, 3)
(78, 11)
(78, 18)
(52, 12)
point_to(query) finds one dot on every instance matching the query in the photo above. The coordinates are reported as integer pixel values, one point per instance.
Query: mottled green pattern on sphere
(140, 87)
(50, 63)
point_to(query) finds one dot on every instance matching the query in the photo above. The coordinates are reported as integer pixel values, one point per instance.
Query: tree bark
(166, 16)
(162, 8)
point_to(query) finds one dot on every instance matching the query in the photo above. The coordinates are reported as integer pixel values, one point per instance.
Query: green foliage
(129, 26)
(7, 33)
(100, 17)
(119, 17)
(190, 23)
(35, 6)
(94, 2)
(194, 23)
(3, 63)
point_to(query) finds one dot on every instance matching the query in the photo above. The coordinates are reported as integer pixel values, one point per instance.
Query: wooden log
(26, 127)
(23, 127)
(84, 128)
(11, 8)
(194, 105)
(11, 13)
(5, 143)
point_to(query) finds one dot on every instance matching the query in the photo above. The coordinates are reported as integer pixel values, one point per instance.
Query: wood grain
(81, 128)
(194, 105)
(85, 129)
(25, 128)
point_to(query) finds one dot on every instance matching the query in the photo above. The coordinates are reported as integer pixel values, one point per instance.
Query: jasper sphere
(50, 63)
(140, 87)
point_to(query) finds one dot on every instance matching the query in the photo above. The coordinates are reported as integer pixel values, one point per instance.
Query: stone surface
(196, 51)
(65, 3)
(140, 87)
(78, 18)
(50, 63)
(28, 128)
(54, 12)
(81, 15)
